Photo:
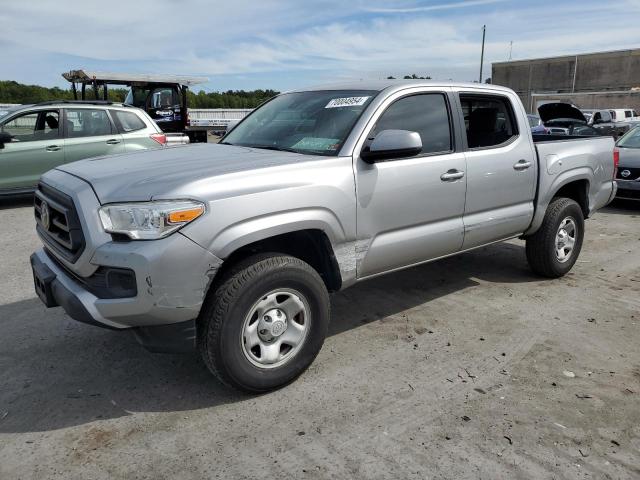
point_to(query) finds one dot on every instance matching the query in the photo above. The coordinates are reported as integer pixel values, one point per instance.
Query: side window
(165, 98)
(22, 128)
(613, 114)
(606, 116)
(127, 121)
(85, 122)
(50, 124)
(597, 117)
(426, 114)
(489, 121)
(33, 126)
(627, 114)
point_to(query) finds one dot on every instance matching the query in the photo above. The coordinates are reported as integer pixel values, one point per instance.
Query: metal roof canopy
(102, 78)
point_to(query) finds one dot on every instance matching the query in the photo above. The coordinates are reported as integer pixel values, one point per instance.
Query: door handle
(113, 141)
(451, 175)
(522, 165)
(53, 148)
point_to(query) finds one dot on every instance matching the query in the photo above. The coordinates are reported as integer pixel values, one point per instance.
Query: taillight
(161, 138)
(188, 120)
(616, 161)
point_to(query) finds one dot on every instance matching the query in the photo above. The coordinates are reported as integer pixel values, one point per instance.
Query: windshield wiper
(275, 147)
(225, 143)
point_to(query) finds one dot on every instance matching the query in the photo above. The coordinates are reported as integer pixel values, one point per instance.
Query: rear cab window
(489, 120)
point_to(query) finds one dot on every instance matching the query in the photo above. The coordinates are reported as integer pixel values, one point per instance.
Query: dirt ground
(470, 367)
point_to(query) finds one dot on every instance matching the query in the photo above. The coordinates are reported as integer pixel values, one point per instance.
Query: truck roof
(89, 76)
(379, 85)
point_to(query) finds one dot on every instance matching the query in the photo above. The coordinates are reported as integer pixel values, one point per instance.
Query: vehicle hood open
(180, 170)
(556, 111)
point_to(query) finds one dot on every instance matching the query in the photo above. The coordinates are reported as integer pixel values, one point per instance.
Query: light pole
(484, 29)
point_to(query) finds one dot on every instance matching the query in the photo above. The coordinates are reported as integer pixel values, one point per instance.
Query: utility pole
(510, 49)
(484, 29)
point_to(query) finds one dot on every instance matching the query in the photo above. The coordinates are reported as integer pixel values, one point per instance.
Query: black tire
(541, 246)
(223, 315)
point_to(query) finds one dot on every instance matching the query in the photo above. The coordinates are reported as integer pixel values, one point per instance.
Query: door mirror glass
(389, 144)
(4, 138)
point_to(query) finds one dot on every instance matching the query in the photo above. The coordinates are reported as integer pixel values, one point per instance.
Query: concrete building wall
(593, 72)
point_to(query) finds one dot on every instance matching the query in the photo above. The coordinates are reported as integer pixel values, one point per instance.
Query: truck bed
(563, 158)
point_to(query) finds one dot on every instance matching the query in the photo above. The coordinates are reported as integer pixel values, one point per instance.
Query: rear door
(36, 147)
(90, 132)
(410, 209)
(501, 168)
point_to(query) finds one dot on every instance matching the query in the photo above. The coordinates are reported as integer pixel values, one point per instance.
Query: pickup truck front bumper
(171, 278)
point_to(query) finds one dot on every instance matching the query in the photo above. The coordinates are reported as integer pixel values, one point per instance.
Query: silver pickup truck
(233, 248)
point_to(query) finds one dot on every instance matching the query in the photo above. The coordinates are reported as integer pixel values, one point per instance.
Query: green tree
(14, 92)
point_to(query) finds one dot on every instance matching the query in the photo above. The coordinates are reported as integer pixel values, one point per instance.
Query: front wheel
(554, 248)
(265, 323)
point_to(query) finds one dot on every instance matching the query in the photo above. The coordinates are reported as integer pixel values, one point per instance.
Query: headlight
(149, 220)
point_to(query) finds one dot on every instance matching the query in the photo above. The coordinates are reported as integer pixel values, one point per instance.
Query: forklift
(163, 97)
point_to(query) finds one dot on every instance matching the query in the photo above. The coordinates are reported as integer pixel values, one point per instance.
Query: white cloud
(431, 8)
(325, 38)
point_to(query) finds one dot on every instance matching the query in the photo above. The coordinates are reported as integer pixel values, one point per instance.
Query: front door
(36, 147)
(89, 132)
(410, 209)
(501, 169)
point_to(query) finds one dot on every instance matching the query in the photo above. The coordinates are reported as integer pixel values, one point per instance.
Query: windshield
(631, 139)
(314, 122)
(6, 111)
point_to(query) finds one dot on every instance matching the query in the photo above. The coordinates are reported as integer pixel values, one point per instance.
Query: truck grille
(57, 222)
(635, 173)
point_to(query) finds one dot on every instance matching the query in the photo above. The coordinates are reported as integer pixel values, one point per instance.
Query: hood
(181, 171)
(554, 111)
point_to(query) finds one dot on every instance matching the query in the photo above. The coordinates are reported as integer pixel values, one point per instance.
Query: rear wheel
(554, 248)
(265, 323)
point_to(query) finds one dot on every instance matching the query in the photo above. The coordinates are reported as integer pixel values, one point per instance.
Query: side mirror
(4, 138)
(390, 144)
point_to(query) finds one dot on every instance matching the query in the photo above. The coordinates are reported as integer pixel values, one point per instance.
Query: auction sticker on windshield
(347, 102)
(314, 143)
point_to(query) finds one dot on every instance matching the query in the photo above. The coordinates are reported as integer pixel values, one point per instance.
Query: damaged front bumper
(171, 278)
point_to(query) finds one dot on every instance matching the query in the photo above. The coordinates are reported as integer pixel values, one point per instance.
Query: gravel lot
(470, 367)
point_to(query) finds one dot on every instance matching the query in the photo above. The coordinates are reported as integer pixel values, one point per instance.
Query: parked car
(602, 121)
(566, 119)
(628, 173)
(537, 127)
(233, 248)
(37, 138)
(624, 115)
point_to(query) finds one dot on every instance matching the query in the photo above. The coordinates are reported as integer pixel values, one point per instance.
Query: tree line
(14, 92)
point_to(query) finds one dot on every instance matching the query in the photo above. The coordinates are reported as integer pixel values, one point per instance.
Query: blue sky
(288, 44)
